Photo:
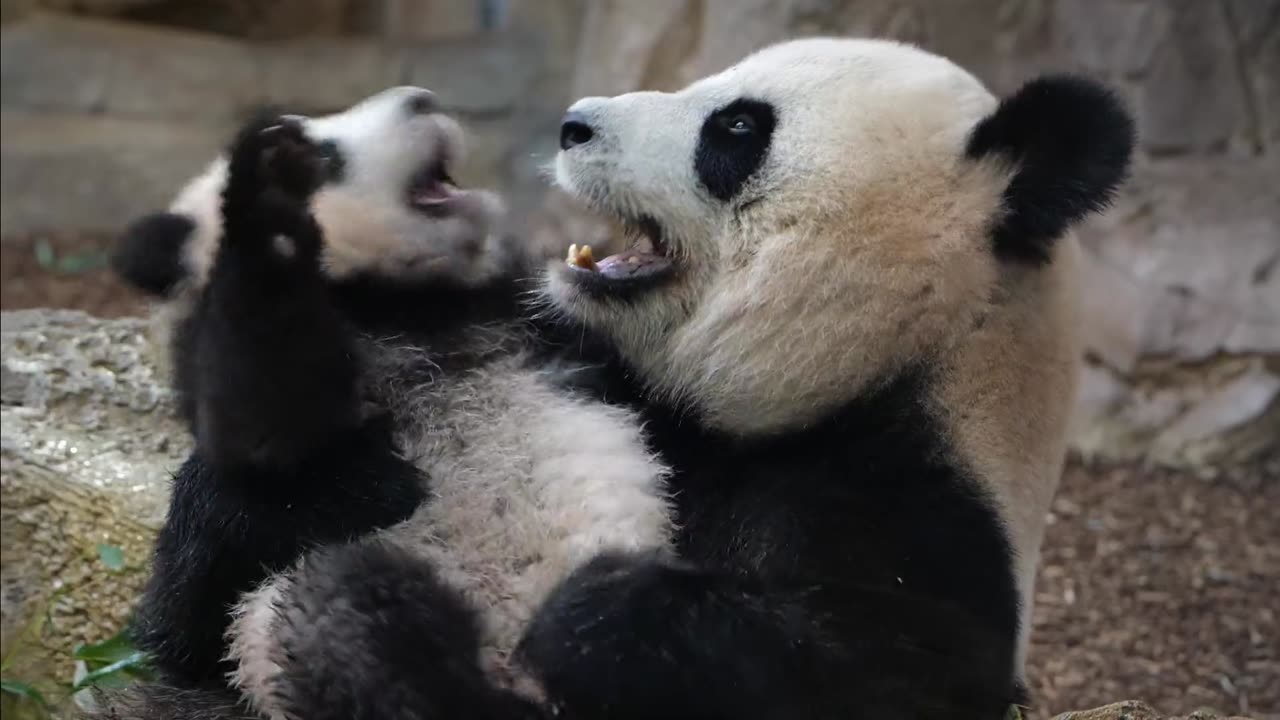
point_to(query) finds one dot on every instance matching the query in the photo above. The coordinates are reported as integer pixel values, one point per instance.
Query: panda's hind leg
(365, 630)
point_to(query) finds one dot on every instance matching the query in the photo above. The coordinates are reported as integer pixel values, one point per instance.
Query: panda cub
(377, 434)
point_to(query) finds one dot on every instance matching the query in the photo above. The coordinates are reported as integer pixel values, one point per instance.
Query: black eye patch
(732, 146)
(335, 161)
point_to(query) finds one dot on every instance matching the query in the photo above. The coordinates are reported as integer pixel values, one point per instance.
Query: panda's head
(388, 206)
(826, 213)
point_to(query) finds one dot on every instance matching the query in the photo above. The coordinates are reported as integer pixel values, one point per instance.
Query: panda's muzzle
(432, 190)
(646, 263)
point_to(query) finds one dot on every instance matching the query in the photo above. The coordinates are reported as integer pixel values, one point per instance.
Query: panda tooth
(580, 256)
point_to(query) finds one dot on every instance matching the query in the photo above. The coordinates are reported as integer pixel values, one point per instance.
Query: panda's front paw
(273, 170)
(612, 640)
(291, 162)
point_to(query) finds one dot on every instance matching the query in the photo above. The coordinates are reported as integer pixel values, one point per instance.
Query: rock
(1193, 97)
(103, 120)
(497, 73)
(61, 171)
(621, 41)
(1182, 316)
(1133, 710)
(14, 9)
(1109, 36)
(50, 63)
(89, 442)
(1257, 24)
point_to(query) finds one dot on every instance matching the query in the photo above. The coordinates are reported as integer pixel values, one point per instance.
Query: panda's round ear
(148, 254)
(1070, 141)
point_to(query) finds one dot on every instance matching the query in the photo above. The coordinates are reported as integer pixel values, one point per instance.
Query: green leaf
(116, 673)
(45, 256)
(24, 691)
(112, 650)
(112, 556)
(82, 262)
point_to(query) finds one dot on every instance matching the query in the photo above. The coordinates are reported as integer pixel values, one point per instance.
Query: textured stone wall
(102, 117)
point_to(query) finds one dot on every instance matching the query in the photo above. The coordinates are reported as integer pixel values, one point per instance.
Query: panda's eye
(740, 124)
(332, 159)
(732, 145)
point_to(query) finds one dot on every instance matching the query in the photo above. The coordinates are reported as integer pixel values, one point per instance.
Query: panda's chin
(646, 264)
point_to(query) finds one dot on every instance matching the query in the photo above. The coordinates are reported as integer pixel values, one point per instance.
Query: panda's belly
(526, 483)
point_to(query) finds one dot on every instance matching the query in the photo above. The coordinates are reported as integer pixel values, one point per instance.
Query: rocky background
(1163, 556)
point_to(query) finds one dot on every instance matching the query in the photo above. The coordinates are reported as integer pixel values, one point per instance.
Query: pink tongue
(433, 192)
(631, 263)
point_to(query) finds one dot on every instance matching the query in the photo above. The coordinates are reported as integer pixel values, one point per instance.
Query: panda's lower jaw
(645, 265)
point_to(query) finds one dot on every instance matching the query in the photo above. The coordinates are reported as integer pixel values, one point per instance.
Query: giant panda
(848, 320)
(846, 324)
(364, 396)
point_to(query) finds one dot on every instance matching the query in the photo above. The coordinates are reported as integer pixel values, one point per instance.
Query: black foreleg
(267, 365)
(631, 637)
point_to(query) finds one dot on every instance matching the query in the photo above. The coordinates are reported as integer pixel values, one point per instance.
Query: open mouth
(645, 263)
(432, 190)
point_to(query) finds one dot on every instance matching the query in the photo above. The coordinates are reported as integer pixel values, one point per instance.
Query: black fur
(149, 254)
(267, 381)
(726, 158)
(266, 365)
(228, 528)
(1071, 140)
(371, 633)
(848, 570)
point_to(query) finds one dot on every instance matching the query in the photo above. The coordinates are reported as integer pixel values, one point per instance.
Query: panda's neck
(428, 309)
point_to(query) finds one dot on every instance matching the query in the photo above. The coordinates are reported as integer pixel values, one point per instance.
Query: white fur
(531, 483)
(368, 225)
(862, 244)
(253, 645)
(527, 482)
(865, 166)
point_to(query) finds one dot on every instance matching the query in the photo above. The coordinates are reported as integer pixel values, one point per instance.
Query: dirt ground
(1154, 585)
(73, 274)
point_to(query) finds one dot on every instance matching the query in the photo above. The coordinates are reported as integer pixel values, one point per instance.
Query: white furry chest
(526, 483)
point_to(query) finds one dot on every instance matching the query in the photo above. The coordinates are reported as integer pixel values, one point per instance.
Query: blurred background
(1162, 563)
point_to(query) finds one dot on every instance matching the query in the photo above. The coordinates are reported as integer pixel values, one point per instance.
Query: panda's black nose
(422, 102)
(574, 130)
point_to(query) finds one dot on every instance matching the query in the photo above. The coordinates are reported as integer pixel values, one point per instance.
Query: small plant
(47, 258)
(112, 663)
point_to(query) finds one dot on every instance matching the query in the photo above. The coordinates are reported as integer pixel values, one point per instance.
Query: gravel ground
(1160, 586)
(1154, 585)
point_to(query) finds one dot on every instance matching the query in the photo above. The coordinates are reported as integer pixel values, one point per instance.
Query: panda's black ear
(1070, 141)
(148, 255)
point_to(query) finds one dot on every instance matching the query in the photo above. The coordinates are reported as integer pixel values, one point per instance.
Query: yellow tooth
(633, 260)
(581, 257)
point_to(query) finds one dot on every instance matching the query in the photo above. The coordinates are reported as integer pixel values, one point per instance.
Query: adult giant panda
(849, 324)
(350, 359)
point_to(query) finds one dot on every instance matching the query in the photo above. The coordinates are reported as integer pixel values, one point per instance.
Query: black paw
(371, 632)
(272, 172)
(613, 640)
(290, 161)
